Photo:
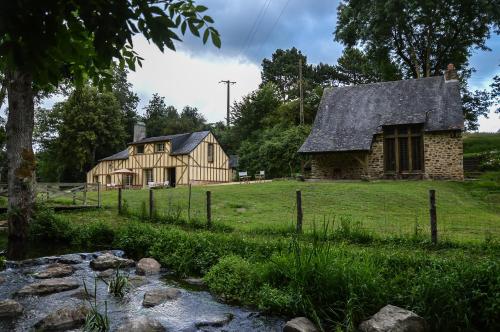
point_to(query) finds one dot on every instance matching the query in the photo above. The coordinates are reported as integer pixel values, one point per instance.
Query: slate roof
(117, 156)
(234, 161)
(181, 144)
(349, 116)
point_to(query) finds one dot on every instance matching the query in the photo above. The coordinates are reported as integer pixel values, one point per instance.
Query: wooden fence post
(119, 200)
(98, 194)
(209, 209)
(189, 204)
(432, 210)
(299, 211)
(85, 194)
(74, 197)
(151, 203)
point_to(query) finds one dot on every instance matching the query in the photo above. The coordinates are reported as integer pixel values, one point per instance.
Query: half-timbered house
(190, 158)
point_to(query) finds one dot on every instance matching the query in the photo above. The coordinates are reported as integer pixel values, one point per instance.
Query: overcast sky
(251, 31)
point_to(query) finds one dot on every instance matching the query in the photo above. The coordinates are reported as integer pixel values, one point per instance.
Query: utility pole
(301, 94)
(228, 83)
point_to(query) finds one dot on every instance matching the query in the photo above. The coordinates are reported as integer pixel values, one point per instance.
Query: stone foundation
(443, 159)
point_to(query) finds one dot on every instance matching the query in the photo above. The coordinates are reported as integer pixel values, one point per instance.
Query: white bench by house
(260, 176)
(158, 184)
(243, 176)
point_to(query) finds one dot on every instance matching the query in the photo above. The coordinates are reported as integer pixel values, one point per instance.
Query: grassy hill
(475, 143)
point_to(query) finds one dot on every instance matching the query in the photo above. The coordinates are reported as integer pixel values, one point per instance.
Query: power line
(274, 25)
(255, 26)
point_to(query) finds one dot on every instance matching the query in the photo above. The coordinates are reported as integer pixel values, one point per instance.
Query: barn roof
(349, 116)
(181, 143)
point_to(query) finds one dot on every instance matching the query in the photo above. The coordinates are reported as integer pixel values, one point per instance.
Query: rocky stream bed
(48, 294)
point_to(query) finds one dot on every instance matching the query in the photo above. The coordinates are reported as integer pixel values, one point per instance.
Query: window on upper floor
(160, 147)
(139, 149)
(210, 152)
(403, 148)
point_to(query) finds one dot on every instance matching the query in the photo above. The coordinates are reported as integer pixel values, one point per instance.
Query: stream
(195, 309)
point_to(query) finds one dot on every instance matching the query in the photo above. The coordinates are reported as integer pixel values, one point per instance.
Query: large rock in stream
(63, 319)
(158, 296)
(49, 286)
(300, 324)
(141, 324)
(147, 266)
(56, 270)
(10, 308)
(110, 261)
(394, 319)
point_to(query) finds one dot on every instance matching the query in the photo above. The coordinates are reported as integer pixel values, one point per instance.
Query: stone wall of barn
(443, 158)
(443, 155)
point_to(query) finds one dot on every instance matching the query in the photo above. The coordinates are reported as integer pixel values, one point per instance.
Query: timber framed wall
(189, 168)
(201, 170)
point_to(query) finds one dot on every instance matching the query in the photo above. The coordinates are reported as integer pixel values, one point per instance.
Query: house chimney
(450, 74)
(139, 131)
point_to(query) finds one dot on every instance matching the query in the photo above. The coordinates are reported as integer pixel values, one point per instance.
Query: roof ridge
(364, 85)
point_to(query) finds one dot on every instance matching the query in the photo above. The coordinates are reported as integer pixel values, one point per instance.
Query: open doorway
(170, 176)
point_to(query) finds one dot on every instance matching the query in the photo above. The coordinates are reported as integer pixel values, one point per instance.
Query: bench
(243, 176)
(261, 176)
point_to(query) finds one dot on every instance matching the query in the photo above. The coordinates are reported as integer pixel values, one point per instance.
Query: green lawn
(466, 211)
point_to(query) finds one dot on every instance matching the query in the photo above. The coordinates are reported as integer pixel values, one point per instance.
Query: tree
(420, 37)
(191, 120)
(44, 42)
(356, 67)
(160, 119)
(274, 151)
(249, 114)
(128, 100)
(283, 71)
(88, 126)
(495, 92)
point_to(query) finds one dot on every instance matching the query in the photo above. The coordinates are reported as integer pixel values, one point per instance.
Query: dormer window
(160, 147)
(139, 149)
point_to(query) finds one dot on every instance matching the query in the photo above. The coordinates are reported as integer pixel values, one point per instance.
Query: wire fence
(471, 216)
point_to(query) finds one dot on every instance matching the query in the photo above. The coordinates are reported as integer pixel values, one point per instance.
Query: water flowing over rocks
(142, 324)
(10, 308)
(49, 286)
(55, 270)
(394, 319)
(158, 296)
(147, 266)
(110, 261)
(61, 303)
(63, 319)
(300, 324)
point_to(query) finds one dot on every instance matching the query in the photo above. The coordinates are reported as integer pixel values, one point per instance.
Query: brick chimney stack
(139, 131)
(451, 73)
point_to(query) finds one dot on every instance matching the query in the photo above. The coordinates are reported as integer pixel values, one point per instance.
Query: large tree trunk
(21, 160)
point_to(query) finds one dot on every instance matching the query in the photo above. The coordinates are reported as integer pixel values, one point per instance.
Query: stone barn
(401, 129)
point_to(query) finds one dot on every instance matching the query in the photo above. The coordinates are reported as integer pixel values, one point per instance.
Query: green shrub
(47, 226)
(95, 234)
(236, 278)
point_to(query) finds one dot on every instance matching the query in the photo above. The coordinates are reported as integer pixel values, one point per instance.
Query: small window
(210, 152)
(139, 149)
(159, 147)
(110, 167)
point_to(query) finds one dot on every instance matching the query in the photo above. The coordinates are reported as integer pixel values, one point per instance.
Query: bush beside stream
(333, 282)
